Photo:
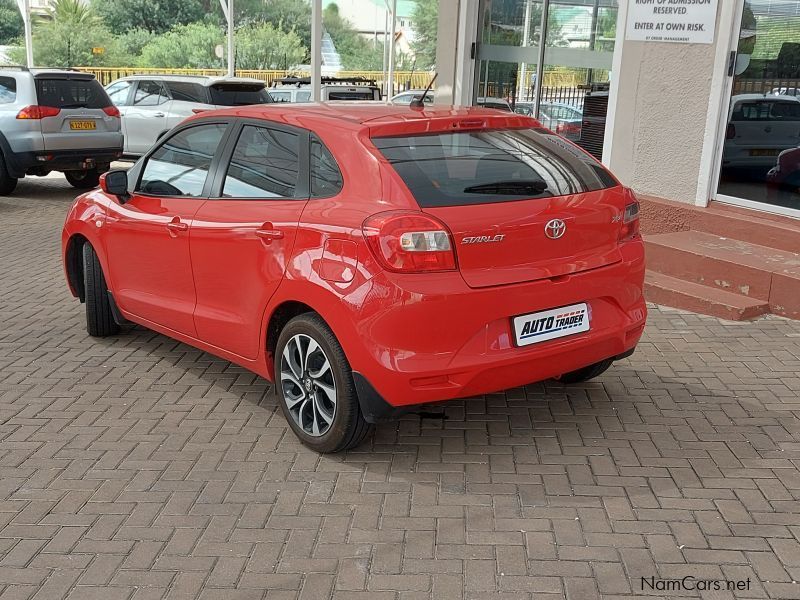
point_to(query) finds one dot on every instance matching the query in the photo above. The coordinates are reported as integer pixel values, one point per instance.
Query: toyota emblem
(555, 229)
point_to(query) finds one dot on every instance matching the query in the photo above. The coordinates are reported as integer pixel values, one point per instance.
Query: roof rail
(20, 67)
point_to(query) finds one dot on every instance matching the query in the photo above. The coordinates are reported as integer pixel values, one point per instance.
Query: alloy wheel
(309, 389)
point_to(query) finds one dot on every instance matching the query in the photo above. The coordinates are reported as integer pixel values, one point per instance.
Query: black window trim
(136, 172)
(314, 137)
(303, 187)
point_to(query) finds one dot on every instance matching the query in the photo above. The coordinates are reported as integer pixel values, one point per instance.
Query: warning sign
(681, 21)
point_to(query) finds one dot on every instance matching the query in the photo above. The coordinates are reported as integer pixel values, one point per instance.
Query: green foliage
(266, 47)
(133, 42)
(11, 28)
(157, 16)
(426, 26)
(66, 36)
(357, 52)
(185, 46)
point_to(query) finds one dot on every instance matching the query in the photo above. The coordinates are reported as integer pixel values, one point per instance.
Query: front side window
(149, 93)
(326, 179)
(118, 92)
(179, 167)
(491, 165)
(264, 164)
(8, 90)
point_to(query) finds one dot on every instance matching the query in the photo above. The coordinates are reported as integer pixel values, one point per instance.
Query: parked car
(405, 98)
(785, 91)
(783, 180)
(55, 120)
(367, 259)
(562, 118)
(298, 89)
(151, 105)
(495, 103)
(760, 127)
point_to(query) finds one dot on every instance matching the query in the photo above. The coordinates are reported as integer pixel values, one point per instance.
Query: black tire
(586, 373)
(7, 183)
(83, 180)
(347, 429)
(99, 318)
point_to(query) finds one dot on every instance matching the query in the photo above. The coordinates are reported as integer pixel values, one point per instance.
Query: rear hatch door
(522, 204)
(236, 93)
(81, 123)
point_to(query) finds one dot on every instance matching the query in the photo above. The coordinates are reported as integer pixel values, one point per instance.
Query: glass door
(579, 48)
(760, 164)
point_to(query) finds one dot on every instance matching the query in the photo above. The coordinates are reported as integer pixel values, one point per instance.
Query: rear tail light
(111, 111)
(38, 112)
(630, 219)
(410, 242)
(730, 133)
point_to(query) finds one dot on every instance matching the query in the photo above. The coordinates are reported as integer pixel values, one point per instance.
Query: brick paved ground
(137, 467)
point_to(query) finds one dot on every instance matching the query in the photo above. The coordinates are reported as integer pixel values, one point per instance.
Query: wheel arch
(73, 264)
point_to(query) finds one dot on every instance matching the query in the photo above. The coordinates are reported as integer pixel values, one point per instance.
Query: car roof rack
(300, 81)
(19, 67)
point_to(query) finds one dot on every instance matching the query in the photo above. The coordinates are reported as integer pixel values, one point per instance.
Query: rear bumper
(61, 160)
(435, 339)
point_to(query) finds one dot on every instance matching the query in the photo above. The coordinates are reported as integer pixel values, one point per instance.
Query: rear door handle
(176, 226)
(267, 232)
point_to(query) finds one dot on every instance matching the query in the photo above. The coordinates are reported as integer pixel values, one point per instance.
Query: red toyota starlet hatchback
(367, 259)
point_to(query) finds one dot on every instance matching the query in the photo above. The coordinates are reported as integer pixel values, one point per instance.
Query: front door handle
(267, 233)
(176, 225)
(158, 114)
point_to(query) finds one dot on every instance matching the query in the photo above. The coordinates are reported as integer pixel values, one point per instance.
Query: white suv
(151, 105)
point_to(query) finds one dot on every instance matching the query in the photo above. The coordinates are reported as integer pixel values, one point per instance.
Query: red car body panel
(416, 337)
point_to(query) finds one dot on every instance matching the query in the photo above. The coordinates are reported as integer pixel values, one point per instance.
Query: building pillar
(457, 34)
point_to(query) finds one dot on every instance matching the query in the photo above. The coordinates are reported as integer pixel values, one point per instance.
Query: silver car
(55, 120)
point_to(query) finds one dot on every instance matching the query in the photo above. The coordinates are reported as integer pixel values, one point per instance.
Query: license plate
(769, 152)
(551, 324)
(82, 125)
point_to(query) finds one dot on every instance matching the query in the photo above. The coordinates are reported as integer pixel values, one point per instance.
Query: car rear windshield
(239, 94)
(486, 166)
(71, 93)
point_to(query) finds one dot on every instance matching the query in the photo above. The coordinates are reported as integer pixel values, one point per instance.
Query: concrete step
(695, 297)
(763, 229)
(730, 265)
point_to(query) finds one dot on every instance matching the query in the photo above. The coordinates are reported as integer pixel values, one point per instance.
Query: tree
(266, 47)
(185, 47)
(66, 35)
(287, 15)
(11, 28)
(157, 16)
(426, 26)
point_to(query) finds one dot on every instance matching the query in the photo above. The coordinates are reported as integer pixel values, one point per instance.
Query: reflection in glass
(761, 152)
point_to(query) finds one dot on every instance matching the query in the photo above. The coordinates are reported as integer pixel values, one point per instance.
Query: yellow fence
(402, 79)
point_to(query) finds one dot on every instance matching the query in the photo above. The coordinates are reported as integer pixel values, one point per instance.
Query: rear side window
(180, 165)
(239, 94)
(326, 179)
(71, 93)
(485, 166)
(264, 164)
(187, 92)
(8, 90)
(149, 93)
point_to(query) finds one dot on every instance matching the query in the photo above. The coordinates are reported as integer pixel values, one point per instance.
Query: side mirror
(115, 183)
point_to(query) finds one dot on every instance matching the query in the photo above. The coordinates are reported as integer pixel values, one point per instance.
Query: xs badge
(483, 239)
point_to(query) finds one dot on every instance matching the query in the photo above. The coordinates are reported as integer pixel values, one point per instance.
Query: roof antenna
(420, 102)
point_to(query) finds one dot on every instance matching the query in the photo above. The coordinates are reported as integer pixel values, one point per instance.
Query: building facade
(689, 100)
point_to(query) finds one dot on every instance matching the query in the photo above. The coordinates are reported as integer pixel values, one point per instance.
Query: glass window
(479, 167)
(118, 92)
(239, 94)
(71, 93)
(303, 97)
(326, 179)
(180, 165)
(187, 91)
(281, 96)
(149, 93)
(264, 164)
(8, 90)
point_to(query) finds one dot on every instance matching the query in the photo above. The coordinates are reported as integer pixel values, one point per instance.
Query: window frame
(303, 187)
(165, 93)
(137, 171)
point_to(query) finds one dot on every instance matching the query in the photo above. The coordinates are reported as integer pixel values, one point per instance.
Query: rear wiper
(513, 186)
(75, 105)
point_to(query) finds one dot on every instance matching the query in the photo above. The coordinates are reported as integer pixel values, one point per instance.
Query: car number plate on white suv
(550, 324)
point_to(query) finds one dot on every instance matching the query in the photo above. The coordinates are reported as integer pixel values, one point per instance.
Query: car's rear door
(147, 237)
(243, 236)
(81, 122)
(146, 117)
(522, 204)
